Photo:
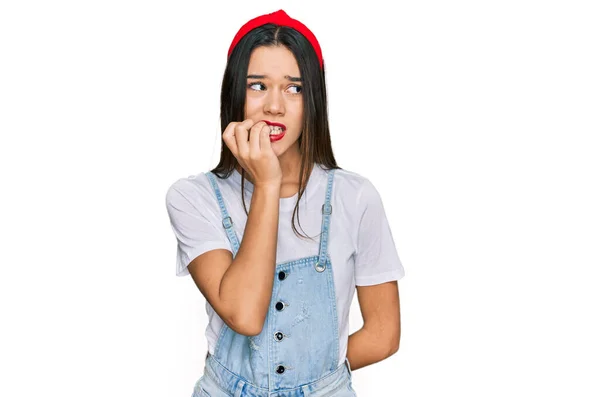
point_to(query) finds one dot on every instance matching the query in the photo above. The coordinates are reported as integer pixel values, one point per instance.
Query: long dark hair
(314, 140)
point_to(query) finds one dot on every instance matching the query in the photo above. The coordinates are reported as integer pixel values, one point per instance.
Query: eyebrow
(262, 76)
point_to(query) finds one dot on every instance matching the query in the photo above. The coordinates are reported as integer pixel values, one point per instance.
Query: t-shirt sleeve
(194, 223)
(376, 260)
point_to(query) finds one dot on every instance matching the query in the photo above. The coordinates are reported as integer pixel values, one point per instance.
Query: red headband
(282, 19)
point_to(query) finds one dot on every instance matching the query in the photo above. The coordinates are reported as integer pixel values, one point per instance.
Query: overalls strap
(226, 219)
(326, 210)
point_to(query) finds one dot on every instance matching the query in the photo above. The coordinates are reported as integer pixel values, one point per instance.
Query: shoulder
(349, 179)
(356, 185)
(191, 190)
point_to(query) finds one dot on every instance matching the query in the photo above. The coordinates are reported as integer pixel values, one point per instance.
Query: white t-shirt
(360, 245)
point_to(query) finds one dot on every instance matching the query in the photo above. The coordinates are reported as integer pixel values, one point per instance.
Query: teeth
(275, 130)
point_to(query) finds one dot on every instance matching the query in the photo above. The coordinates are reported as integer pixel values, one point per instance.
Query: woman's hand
(255, 153)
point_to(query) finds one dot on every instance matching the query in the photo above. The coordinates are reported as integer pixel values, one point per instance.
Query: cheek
(252, 104)
(299, 117)
(299, 111)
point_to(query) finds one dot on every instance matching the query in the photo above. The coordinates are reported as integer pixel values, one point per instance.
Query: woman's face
(274, 93)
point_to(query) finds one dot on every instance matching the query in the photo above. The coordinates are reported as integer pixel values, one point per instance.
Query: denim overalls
(296, 353)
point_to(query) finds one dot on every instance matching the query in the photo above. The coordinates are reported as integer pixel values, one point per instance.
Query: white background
(477, 121)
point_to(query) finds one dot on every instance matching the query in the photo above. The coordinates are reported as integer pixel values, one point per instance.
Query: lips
(274, 124)
(274, 136)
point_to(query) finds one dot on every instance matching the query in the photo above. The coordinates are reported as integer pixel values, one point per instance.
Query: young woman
(277, 300)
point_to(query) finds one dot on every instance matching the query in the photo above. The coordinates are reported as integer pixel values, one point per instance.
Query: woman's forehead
(273, 62)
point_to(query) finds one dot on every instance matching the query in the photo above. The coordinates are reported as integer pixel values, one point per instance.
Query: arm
(379, 336)
(240, 289)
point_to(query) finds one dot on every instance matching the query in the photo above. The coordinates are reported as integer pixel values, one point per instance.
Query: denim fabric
(296, 354)
(217, 381)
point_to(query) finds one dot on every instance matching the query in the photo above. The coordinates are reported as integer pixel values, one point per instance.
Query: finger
(265, 141)
(258, 126)
(241, 138)
(230, 129)
(248, 123)
(255, 133)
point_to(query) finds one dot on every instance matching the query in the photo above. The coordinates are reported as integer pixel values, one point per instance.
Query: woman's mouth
(277, 130)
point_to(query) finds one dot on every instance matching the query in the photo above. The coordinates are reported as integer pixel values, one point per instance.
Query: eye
(298, 89)
(259, 84)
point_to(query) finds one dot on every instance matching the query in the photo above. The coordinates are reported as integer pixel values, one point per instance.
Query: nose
(274, 103)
